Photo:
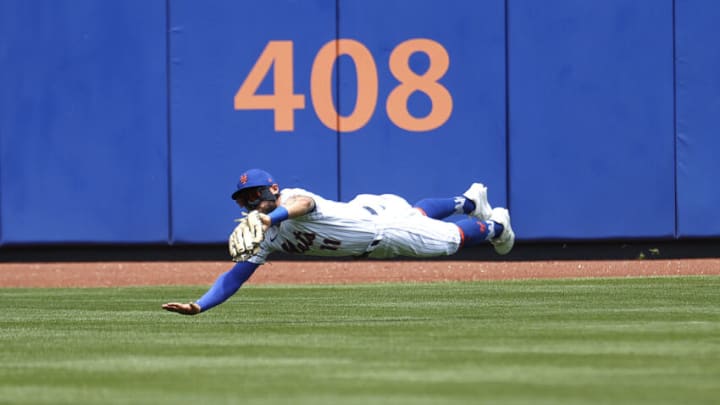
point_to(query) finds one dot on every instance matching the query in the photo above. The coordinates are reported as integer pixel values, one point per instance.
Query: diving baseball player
(375, 226)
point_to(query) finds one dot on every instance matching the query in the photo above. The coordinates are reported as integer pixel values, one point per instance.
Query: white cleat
(503, 243)
(477, 193)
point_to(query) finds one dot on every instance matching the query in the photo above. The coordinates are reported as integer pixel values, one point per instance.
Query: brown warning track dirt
(115, 274)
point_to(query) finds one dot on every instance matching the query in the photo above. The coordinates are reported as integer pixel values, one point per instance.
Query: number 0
(321, 89)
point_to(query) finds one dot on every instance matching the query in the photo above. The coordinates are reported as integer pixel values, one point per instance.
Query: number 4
(277, 54)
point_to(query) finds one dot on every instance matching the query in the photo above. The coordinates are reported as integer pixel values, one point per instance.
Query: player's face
(248, 199)
(267, 207)
(251, 199)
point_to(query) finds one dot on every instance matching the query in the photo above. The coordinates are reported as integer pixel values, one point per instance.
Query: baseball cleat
(503, 243)
(477, 193)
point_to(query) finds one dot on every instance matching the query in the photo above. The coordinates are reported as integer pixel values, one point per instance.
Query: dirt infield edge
(118, 274)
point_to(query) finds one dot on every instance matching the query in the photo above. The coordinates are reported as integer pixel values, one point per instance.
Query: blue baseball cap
(253, 178)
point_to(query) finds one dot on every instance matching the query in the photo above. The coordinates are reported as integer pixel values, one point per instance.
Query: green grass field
(587, 341)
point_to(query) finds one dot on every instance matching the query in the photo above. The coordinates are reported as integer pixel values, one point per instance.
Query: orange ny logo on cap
(244, 178)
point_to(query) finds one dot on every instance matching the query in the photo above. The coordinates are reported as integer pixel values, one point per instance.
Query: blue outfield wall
(83, 136)
(214, 46)
(698, 117)
(410, 145)
(130, 121)
(591, 118)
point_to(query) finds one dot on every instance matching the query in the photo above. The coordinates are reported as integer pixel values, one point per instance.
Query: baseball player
(375, 226)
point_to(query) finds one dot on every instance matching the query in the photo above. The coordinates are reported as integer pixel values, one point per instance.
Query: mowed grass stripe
(584, 341)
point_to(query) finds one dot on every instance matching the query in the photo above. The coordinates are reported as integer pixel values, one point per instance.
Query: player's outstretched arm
(224, 287)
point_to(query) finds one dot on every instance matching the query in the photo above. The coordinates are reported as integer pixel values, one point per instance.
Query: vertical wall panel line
(675, 109)
(168, 123)
(507, 105)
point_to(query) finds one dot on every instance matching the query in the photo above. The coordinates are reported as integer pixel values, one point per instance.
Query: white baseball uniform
(376, 226)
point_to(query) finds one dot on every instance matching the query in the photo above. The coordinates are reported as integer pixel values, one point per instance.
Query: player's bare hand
(189, 308)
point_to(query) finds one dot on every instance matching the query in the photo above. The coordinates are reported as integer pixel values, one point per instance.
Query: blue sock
(476, 231)
(499, 228)
(439, 208)
(468, 206)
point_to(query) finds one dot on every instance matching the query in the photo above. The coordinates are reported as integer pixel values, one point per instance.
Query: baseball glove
(244, 241)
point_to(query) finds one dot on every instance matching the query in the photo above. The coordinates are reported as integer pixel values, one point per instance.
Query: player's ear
(275, 189)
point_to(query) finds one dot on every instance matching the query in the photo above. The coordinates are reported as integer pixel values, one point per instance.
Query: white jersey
(377, 226)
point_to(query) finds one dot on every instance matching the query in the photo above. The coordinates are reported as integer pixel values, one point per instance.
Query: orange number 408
(283, 101)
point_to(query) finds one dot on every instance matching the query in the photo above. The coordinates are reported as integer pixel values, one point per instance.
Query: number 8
(410, 82)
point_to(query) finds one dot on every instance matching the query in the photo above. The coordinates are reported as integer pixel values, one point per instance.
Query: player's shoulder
(292, 192)
(321, 204)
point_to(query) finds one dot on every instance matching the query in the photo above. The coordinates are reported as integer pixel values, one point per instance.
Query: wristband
(279, 214)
